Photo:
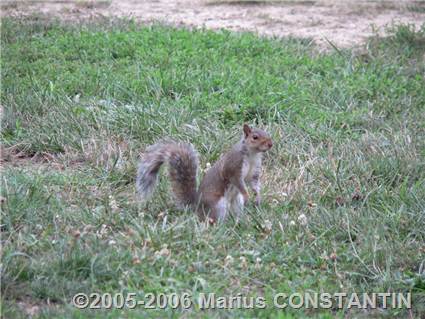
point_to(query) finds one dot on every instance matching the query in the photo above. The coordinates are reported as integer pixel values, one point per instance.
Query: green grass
(82, 101)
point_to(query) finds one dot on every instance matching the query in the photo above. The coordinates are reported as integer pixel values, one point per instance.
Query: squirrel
(224, 186)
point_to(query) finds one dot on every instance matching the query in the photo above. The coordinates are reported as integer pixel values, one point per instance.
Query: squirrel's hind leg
(219, 211)
(236, 205)
(235, 200)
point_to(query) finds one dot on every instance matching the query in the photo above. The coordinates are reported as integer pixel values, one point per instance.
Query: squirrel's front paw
(245, 198)
(257, 200)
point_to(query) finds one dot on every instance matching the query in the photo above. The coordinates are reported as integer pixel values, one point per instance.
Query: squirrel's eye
(254, 137)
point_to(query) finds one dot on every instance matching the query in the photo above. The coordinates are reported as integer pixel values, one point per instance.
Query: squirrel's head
(256, 140)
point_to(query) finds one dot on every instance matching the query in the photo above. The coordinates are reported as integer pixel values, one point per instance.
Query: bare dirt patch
(345, 23)
(11, 157)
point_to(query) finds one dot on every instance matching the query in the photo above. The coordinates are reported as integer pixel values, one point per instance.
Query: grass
(82, 101)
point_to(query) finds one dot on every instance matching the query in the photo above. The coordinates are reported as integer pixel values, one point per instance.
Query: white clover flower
(164, 252)
(258, 263)
(267, 226)
(243, 261)
(228, 260)
(113, 204)
(302, 219)
(103, 230)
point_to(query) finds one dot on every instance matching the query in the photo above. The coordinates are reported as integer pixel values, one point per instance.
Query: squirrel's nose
(270, 144)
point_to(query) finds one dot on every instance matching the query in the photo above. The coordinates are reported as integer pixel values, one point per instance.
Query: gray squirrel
(224, 186)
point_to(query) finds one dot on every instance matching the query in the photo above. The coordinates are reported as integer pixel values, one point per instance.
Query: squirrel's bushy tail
(182, 162)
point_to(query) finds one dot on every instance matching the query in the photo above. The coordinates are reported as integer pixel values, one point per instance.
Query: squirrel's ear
(246, 130)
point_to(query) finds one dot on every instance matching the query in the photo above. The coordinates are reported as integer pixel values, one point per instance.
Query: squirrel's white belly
(249, 165)
(233, 201)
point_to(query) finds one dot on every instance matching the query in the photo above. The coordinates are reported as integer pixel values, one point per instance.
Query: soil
(344, 23)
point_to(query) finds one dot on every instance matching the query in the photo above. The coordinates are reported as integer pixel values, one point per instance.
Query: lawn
(344, 185)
